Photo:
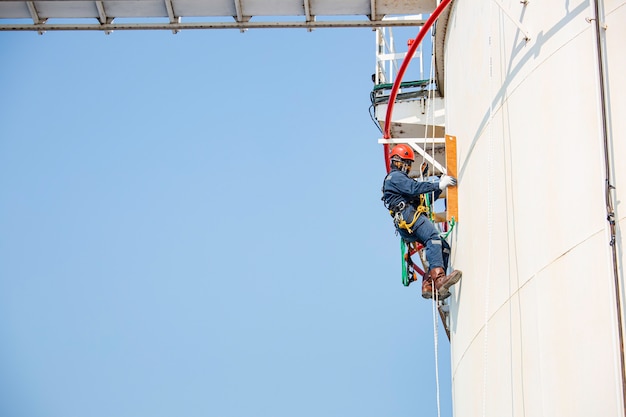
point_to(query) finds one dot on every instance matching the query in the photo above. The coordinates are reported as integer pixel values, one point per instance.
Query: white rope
(431, 101)
(430, 121)
(430, 116)
(436, 335)
(489, 216)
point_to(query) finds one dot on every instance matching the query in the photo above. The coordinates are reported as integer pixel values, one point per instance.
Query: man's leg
(426, 232)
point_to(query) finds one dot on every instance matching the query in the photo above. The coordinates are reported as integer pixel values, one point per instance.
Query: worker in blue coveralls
(404, 198)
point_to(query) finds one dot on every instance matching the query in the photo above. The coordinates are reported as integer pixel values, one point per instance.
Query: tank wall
(535, 307)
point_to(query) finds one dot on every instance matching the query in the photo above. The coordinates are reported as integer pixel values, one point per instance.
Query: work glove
(445, 181)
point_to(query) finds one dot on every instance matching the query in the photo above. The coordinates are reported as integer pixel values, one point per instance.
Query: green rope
(452, 223)
(431, 215)
(405, 267)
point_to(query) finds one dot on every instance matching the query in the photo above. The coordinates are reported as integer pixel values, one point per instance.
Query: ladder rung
(411, 140)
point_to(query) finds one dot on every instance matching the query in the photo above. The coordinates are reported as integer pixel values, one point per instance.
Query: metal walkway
(175, 15)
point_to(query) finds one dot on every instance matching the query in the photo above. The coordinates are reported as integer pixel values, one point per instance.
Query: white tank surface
(535, 322)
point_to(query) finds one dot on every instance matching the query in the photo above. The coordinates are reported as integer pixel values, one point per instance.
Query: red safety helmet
(403, 152)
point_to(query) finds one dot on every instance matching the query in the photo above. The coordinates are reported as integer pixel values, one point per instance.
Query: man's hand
(446, 181)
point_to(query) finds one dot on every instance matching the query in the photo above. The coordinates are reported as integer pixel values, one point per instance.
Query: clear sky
(191, 225)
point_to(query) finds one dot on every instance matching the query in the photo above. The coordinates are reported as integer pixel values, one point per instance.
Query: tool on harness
(398, 218)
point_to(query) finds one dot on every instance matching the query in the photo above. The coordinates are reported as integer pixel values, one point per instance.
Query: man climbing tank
(404, 197)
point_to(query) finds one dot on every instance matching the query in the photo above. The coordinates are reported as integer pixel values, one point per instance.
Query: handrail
(406, 84)
(396, 85)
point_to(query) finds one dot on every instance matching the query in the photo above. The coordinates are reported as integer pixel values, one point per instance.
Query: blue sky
(191, 225)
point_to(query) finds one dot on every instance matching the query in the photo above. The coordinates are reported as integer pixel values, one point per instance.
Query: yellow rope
(404, 225)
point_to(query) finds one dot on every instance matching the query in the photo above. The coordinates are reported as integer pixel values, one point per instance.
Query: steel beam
(35, 16)
(415, 144)
(210, 25)
(33, 12)
(102, 16)
(238, 9)
(307, 13)
(172, 16)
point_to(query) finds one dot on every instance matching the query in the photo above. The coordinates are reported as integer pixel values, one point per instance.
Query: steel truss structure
(176, 15)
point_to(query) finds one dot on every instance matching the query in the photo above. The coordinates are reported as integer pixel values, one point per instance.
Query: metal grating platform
(205, 14)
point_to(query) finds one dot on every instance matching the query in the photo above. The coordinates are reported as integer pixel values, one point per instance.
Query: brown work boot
(443, 282)
(427, 289)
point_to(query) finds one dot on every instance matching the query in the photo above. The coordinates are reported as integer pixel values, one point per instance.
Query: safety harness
(398, 219)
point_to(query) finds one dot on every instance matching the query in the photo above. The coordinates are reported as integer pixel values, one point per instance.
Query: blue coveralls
(398, 187)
